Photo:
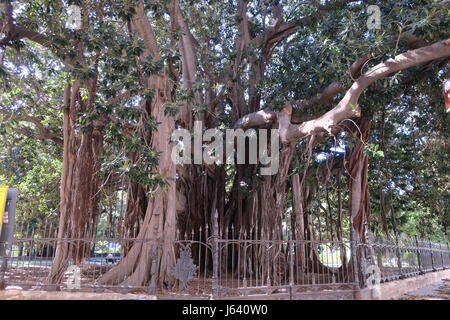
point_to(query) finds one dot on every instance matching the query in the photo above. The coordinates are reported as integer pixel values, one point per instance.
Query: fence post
(418, 256)
(3, 270)
(442, 255)
(215, 254)
(371, 253)
(431, 255)
(291, 260)
(448, 252)
(399, 257)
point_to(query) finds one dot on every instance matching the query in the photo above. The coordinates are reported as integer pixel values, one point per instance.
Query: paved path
(437, 291)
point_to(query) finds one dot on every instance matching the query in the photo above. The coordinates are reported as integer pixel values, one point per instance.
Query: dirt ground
(436, 291)
(16, 294)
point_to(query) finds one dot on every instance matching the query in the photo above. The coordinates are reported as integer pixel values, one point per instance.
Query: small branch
(55, 137)
(256, 119)
(282, 29)
(43, 133)
(327, 95)
(357, 66)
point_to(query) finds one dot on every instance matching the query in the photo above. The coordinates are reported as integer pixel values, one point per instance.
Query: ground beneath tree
(13, 293)
(437, 291)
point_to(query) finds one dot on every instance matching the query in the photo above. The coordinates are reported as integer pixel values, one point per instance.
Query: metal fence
(209, 266)
(401, 257)
(285, 269)
(28, 265)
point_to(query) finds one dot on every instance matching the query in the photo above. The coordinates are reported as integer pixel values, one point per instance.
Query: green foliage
(422, 223)
(373, 151)
(411, 159)
(34, 168)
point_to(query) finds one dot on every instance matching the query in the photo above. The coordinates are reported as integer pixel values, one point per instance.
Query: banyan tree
(134, 72)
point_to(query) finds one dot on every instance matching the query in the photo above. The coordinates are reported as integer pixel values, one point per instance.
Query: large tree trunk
(359, 200)
(149, 260)
(200, 187)
(79, 187)
(134, 215)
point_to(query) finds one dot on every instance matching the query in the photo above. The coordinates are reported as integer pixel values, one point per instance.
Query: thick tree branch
(348, 106)
(283, 29)
(326, 96)
(266, 41)
(42, 132)
(141, 24)
(356, 67)
(266, 116)
(256, 119)
(16, 32)
(187, 45)
(55, 137)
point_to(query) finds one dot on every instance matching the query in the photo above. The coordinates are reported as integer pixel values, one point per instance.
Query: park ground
(437, 291)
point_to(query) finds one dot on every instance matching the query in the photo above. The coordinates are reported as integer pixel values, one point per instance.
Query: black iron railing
(209, 265)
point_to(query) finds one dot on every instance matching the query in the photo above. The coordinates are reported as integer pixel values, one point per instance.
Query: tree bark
(359, 206)
(79, 187)
(149, 260)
